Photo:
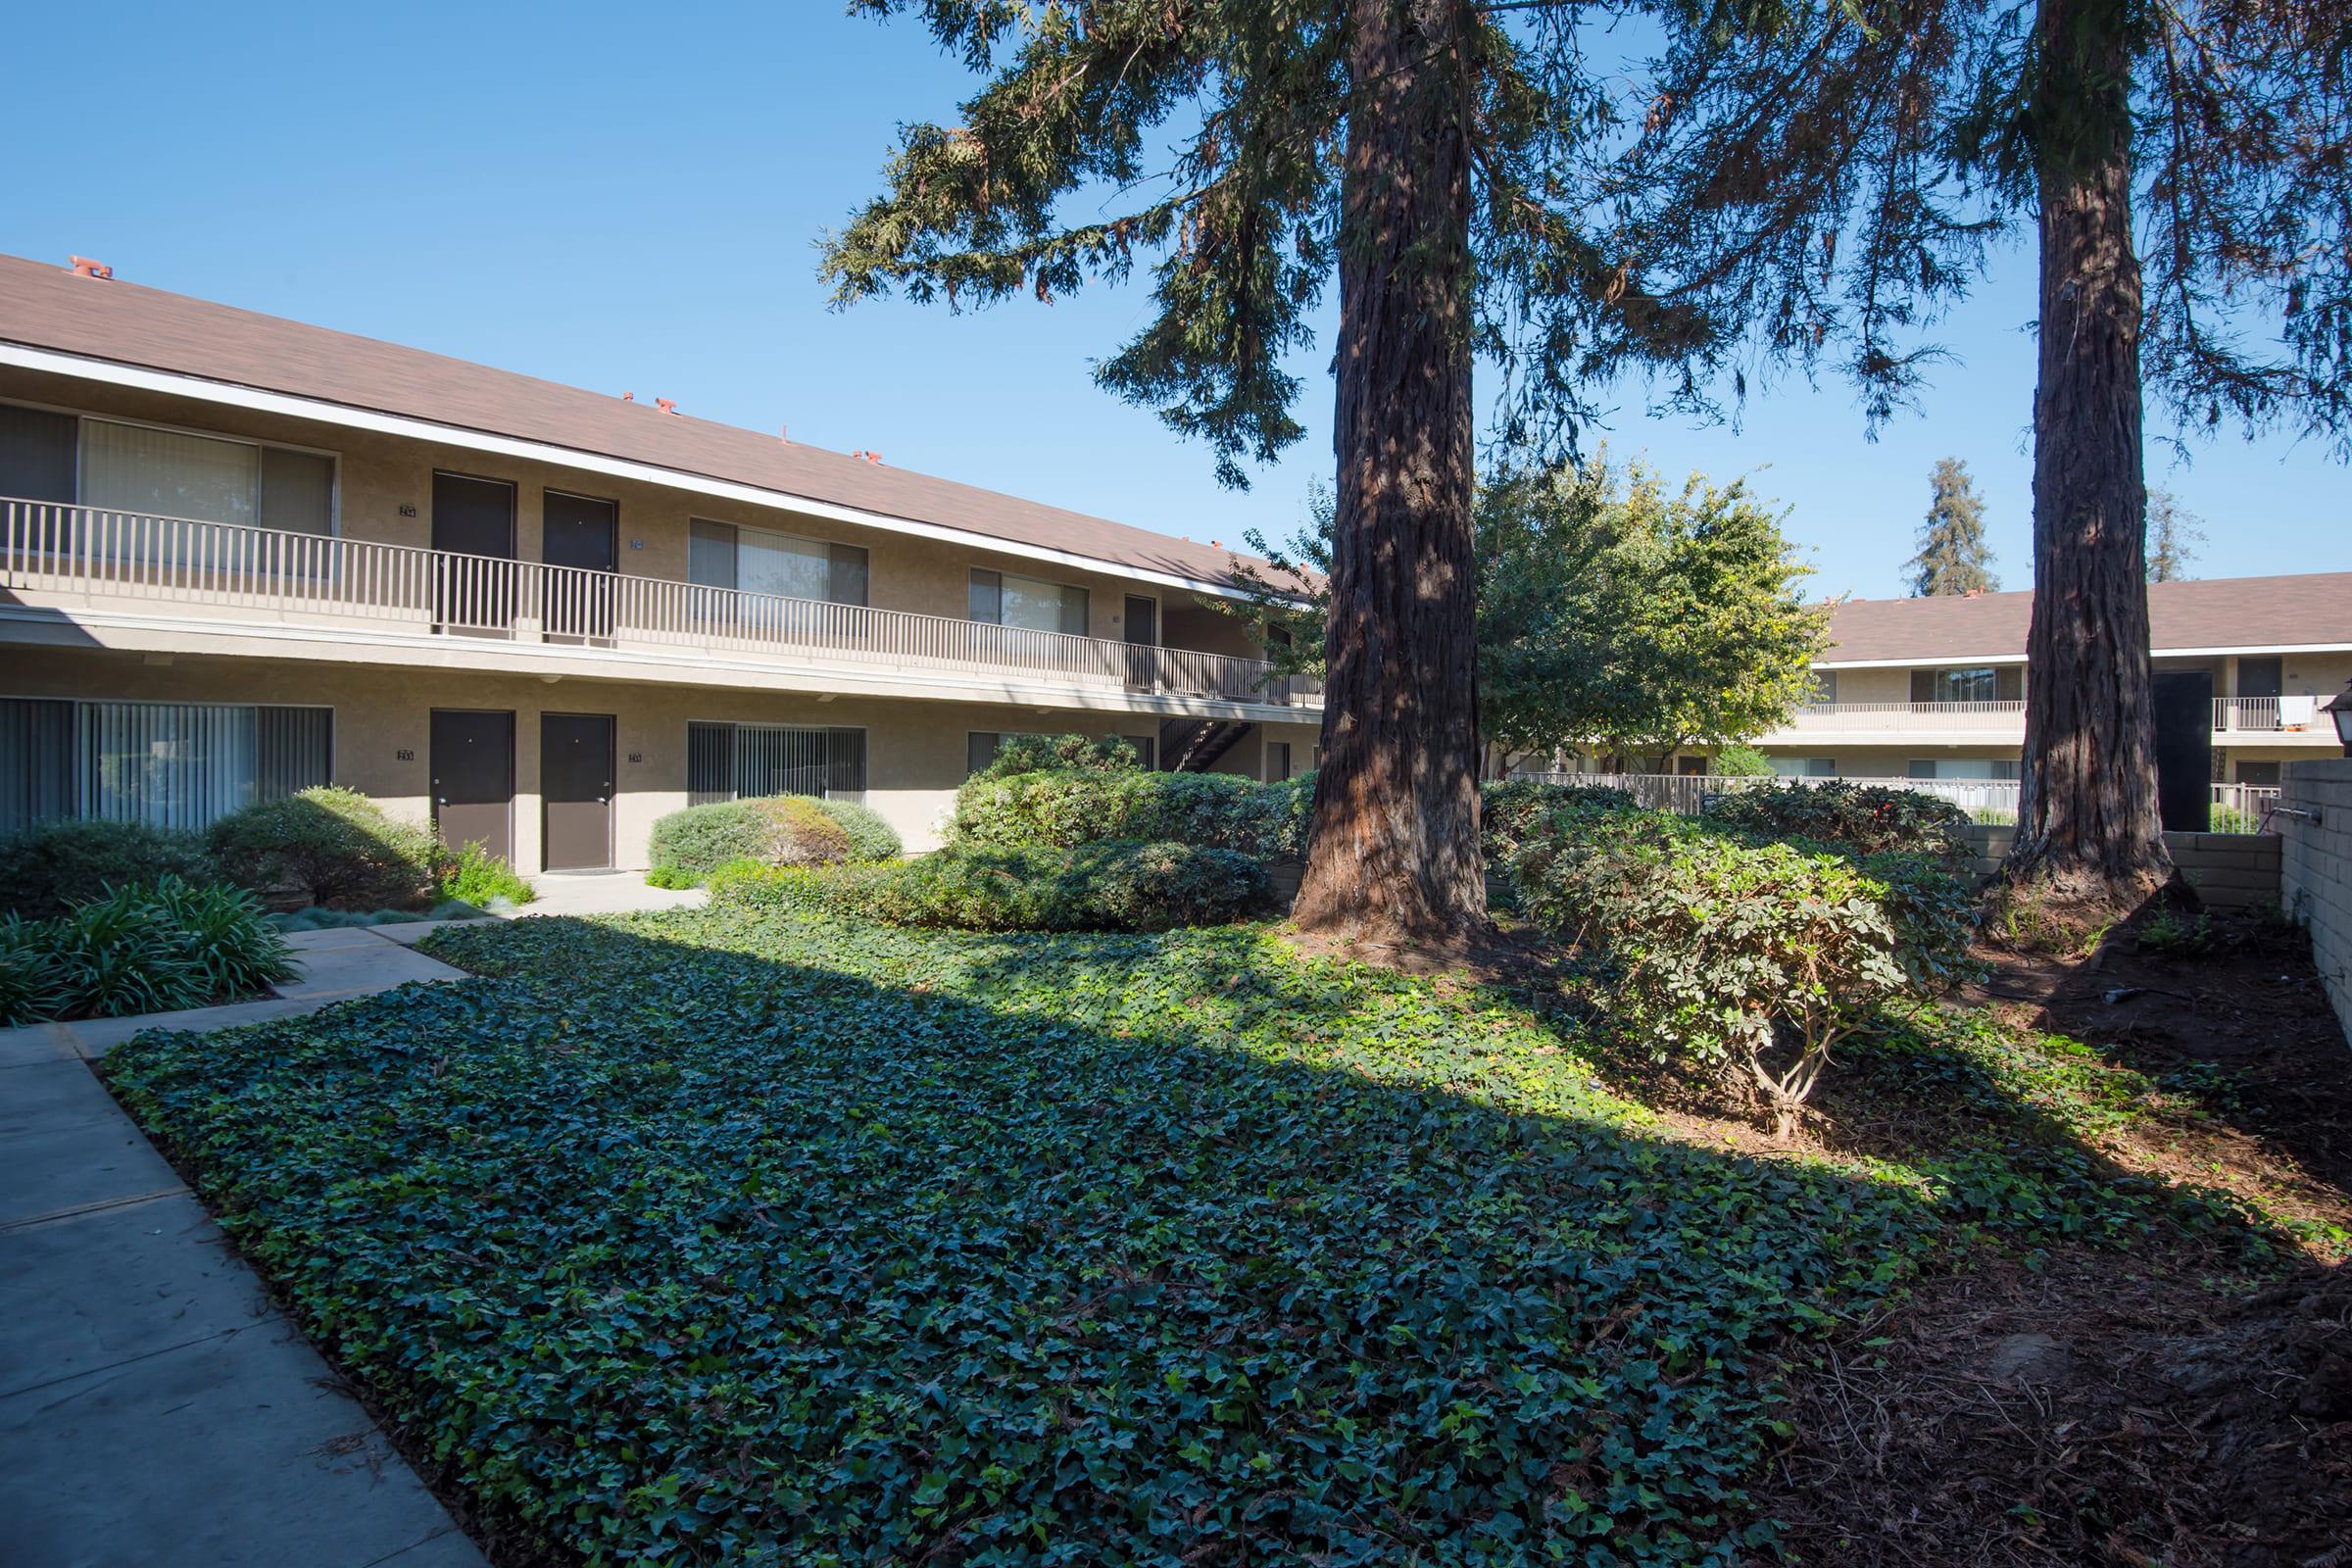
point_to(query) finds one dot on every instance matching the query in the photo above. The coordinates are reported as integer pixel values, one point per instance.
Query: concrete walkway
(155, 1408)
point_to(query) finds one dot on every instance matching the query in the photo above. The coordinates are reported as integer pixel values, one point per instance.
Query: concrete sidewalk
(155, 1408)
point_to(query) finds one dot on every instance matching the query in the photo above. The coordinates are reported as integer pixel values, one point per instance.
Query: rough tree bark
(1394, 853)
(2088, 823)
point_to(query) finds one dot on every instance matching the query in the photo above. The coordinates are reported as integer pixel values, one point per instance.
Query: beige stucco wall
(378, 475)
(915, 752)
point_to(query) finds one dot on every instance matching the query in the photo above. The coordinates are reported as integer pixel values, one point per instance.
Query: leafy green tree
(2173, 537)
(1615, 614)
(1953, 558)
(1438, 158)
(1829, 173)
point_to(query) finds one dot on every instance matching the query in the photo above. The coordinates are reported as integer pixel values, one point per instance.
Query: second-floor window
(1008, 598)
(1983, 683)
(757, 560)
(124, 467)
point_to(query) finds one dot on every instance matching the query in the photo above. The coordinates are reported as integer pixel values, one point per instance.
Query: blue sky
(626, 197)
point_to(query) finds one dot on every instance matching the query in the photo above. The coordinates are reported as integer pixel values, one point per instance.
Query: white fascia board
(348, 418)
(1941, 661)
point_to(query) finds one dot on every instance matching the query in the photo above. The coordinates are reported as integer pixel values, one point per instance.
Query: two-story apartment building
(1934, 688)
(240, 556)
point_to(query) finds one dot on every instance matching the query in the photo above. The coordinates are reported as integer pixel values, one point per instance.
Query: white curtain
(1043, 606)
(133, 468)
(176, 764)
(778, 564)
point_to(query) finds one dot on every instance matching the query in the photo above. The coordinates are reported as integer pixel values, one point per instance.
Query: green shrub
(669, 876)
(1110, 886)
(1867, 820)
(478, 877)
(2230, 819)
(50, 867)
(870, 837)
(333, 846)
(30, 986)
(145, 946)
(1043, 753)
(1741, 960)
(1510, 811)
(1741, 762)
(1069, 807)
(773, 829)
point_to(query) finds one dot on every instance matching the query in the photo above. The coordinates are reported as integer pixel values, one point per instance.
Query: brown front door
(582, 534)
(473, 584)
(576, 777)
(1141, 622)
(473, 779)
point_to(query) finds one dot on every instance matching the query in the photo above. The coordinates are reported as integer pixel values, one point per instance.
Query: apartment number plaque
(403, 754)
(407, 508)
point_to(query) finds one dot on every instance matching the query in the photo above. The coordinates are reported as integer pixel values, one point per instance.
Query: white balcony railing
(2271, 716)
(1907, 719)
(90, 556)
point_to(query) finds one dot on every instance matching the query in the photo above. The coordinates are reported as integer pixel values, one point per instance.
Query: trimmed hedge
(870, 837)
(1511, 810)
(772, 829)
(335, 847)
(1109, 886)
(1042, 753)
(48, 869)
(1069, 807)
(146, 947)
(1869, 819)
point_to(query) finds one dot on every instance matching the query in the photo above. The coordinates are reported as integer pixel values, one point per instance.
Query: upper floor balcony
(93, 567)
(2243, 721)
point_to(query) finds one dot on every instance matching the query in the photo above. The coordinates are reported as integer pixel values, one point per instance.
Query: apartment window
(759, 561)
(747, 761)
(1825, 687)
(1278, 761)
(1805, 767)
(1964, 768)
(118, 465)
(2263, 775)
(1147, 751)
(176, 764)
(1985, 683)
(1007, 599)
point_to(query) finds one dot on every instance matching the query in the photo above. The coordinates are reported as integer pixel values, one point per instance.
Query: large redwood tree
(1438, 158)
(1829, 173)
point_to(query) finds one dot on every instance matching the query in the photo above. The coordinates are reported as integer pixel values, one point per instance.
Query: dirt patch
(2128, 1409)
(2094, 1410)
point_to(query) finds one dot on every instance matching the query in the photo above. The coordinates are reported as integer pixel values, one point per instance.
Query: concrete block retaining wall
(2228, 870)
(2316, 870)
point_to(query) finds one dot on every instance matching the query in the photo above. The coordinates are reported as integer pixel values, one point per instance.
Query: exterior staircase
(1193, 745)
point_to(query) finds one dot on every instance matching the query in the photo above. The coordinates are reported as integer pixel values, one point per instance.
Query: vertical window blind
(175, 765)
(745, 761)
(1007, 599)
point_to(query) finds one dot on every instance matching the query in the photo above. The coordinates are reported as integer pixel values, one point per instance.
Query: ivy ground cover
(717, 1237)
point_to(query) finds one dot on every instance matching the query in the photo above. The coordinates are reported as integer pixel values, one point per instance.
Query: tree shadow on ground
(728, 1236)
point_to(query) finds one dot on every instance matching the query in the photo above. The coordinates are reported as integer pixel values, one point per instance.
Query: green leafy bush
(773, 829)
(1741, 762)
(50, 867)
(30, 986)
(145, 946)
(870, 837)
(475, 876)
(670, 876)
(1866, 818)
(1109, 886)
(2230, 819)
(1042, 753)
(1743, 960)
(332, 846)
(1511, 810)
(1068, 806)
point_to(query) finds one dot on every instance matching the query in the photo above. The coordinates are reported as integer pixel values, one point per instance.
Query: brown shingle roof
(2312, 610)
(44, 306)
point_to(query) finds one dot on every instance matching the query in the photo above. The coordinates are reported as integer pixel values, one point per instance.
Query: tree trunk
(1394, 853)
(2088, 823)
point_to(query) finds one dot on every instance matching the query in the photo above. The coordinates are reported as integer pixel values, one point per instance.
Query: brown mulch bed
(2110, 1407)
